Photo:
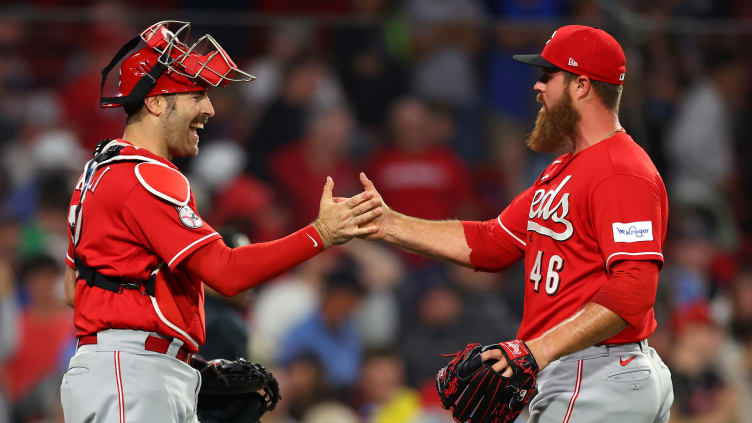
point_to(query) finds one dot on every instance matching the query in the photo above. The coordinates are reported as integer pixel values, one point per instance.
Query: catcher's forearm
(438, 239)
(589, 326)
(231, 271)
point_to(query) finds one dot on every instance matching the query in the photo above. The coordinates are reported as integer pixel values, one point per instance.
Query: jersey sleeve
(171, 232)
(627, 212)
(513, 219)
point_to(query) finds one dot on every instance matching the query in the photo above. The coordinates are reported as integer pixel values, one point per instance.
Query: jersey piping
(649, 253)
(498, 219)
(169, 264)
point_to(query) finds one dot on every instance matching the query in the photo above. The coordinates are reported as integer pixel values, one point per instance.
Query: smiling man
(140, 254)
(590, 231)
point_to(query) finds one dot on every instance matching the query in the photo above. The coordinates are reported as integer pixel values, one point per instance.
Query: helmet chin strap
(133, 101)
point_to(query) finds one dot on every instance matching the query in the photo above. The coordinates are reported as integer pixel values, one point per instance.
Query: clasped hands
(341, 219)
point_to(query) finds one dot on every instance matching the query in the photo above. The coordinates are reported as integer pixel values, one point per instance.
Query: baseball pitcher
(591, 231)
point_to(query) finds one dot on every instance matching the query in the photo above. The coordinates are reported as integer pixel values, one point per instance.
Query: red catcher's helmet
(140, 63)
(169, 65)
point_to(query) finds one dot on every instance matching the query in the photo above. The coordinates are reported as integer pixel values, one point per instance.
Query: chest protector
(169, 292)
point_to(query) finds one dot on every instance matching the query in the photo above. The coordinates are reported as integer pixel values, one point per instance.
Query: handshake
(341, 219)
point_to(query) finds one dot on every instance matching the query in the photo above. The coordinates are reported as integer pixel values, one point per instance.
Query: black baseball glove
(474, 392)
(235, 391)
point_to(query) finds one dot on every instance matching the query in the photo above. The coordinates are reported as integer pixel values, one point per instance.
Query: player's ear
(155, 104)
(582, 87)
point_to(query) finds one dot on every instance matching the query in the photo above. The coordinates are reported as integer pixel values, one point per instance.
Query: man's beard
(555, 127)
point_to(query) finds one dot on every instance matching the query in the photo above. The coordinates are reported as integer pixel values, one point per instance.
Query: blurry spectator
(15, 78)
(700, 393)
(691, 249)
(380, 270)
(486, 315)
(284, 303)
(737, 350)
(509, 85)
(32, 374)
(435, 328)
(300, 169)
(79, 95)
(226, 328)
(445, 39)
(370, 76)
(418, 176)
(329, 333)
(47, 231)
(239, 200)
(700, 141)
(285, 42)
(307, 84)
(306, 385)
(331, 412)
(505, 171)
(385, 397)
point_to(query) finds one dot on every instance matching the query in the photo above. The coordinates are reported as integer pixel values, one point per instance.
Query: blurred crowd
(424, 97)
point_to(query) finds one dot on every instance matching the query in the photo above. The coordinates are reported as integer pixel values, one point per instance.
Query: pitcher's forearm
(438, 239)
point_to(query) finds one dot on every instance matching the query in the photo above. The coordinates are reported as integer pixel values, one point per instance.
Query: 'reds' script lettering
(541, 208)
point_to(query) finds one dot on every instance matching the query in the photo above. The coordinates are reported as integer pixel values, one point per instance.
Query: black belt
(112, 284)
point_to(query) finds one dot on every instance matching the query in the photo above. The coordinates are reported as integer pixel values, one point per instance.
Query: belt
(153, 343)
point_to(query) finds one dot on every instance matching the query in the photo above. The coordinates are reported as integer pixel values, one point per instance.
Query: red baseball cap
(581, 50)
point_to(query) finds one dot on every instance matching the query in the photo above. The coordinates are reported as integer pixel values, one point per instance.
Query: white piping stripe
(632, 254)
(161, 194)
(100, 178)
(170, 324)
(575, 393)
(498, 219)
(189, 246)
(68, 257)
(121, 402)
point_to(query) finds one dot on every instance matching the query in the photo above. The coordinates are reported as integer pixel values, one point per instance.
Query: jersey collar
(146, 153)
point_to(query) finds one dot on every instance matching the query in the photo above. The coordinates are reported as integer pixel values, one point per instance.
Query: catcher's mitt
(235, 391)
(476, 393)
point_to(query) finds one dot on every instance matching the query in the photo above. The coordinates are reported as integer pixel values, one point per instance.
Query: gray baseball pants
(117, 381)
(624, 383)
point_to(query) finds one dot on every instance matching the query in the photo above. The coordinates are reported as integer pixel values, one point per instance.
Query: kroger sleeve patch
(629, 215)
(633, 231)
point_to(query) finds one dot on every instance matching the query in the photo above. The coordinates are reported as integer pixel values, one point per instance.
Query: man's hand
(341, 220)
(384, 219)
(501, 366)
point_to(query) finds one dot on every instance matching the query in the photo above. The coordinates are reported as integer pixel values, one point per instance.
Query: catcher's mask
(168, 65)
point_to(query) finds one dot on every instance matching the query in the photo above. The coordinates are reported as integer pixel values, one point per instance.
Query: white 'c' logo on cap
(621, 77)
(552, 36)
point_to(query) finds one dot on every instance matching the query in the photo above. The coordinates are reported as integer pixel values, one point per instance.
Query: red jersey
(585, 212)
(128, 229)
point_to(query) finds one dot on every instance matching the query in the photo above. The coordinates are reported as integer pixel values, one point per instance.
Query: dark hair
(610, 94)
(344, 277)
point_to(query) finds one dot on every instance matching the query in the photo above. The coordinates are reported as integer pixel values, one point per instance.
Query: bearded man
(591, 231)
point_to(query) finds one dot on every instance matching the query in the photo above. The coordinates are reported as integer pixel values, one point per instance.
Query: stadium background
(423, 96)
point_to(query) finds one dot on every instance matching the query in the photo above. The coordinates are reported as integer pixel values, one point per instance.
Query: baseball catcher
(234, 391)
(474, 392)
